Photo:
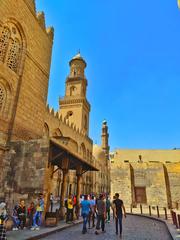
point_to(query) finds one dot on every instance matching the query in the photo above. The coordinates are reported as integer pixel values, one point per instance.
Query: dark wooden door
(140, 195)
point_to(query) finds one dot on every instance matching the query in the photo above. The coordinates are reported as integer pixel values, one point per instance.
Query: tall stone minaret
(105, 139)
(74, 107)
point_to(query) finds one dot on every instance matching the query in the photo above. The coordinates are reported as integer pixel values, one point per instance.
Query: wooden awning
(59, 151)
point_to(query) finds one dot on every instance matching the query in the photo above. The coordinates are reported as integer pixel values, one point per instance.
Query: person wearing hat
(3, 217)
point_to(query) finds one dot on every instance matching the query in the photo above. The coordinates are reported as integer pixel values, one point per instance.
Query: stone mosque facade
(42, 150)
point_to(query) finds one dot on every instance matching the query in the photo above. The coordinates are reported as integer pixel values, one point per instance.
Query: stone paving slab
(28, 234)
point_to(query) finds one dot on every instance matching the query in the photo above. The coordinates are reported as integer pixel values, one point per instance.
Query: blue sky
(132, 49)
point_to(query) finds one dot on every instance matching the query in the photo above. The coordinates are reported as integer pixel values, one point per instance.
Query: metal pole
(131, 208)
(149, 210)
(165, 212)
(141, 209)
(158, 211)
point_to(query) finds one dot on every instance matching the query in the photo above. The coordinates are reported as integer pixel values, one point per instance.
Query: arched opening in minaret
(72, 90)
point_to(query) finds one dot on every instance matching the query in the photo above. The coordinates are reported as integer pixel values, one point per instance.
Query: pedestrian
(69, 216)
(31, 213)
(118, 213)
(3, 218)
(112, 206)
(37, 217)
(51, 201)
(76, 206)
(101, 214)
(108, 207)
(21, 211)
(40, 210)
(92, 212)
(15, 218)
(85, 209)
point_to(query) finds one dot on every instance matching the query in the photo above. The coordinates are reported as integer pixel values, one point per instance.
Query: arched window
(72, 90)
(83, 150)
(11, 45)
(46, 130)
(85, 122)
(68, 115)
(13, 54)
(87, 154)
(4, 41)
(2, 97)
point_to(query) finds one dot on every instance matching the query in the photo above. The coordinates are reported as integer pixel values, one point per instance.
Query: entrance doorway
(140, 195)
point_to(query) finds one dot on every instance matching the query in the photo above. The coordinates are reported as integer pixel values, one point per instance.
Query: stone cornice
(76, 79)
(65, 101)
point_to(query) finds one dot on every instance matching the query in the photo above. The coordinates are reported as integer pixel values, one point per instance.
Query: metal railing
(157, 211)
(175, 219)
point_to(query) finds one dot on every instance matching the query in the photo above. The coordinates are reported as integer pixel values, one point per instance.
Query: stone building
(150, 177)
(40, 150)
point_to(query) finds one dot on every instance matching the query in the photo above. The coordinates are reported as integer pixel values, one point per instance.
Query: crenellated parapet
(56, 115)
(50, 32)
(41, 20)
(32, 5)
(40, 16)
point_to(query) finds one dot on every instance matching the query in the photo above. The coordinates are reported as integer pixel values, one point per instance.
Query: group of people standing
(100, 207)
(21, 214)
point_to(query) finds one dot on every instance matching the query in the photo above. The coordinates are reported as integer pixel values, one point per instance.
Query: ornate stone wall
(25, 58)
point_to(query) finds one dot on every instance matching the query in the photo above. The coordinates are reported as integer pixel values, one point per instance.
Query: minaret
(105, 139)
(74, 107)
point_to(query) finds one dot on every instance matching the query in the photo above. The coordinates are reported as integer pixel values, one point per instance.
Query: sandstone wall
(33, 73)
(151, 176)
(148, 155)
(173, 170)
(121, 182)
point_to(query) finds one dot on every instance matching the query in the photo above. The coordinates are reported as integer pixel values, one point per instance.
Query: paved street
(134, 228)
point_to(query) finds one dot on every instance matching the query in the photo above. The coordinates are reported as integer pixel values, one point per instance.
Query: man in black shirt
(118, 207)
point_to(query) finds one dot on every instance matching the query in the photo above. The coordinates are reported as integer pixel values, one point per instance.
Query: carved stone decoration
(2, 96)
(4, 41)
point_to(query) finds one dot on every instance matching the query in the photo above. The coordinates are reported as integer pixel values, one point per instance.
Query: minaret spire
(74, 106)
(105, 139)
